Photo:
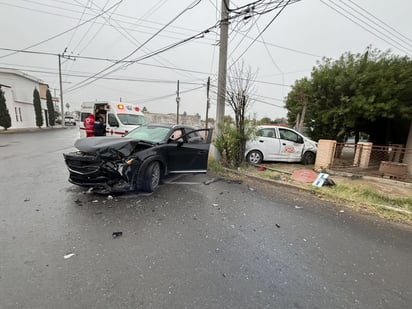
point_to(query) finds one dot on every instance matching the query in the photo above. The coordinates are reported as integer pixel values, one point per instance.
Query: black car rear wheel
(151, 178)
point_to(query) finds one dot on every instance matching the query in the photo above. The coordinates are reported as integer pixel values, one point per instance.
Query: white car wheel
(254, 157)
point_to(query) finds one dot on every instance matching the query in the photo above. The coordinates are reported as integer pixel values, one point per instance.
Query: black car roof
(169, 125)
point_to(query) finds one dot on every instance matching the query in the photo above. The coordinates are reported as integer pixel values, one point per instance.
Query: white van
(119, 117)
(276, 143)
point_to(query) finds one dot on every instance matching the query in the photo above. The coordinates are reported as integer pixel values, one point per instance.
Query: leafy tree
(265, 120)
(145, 110)
(37, 108)
(280, 121)
(356, 93)
(5, 119)
(50, 108)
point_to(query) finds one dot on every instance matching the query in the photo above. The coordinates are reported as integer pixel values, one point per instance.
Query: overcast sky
(301, 34)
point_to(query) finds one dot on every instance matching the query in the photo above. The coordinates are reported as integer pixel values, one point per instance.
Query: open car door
(190, 153)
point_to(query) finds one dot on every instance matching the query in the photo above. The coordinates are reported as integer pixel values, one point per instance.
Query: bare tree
(240, 89)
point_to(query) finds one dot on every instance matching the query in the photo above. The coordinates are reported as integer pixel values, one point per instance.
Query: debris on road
(298, 207)
(78, 202)
(26, 199)
(304, 175)
(323, 180)
(109, 197)
(68, 256)
(117, 234)
(261, 168)
(210, 181)
(215, 205)
(89, 191)
(95, 201)
(277, 225)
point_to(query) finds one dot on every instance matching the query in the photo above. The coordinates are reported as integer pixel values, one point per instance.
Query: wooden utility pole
(207, 100)
(177, 102)
(221, 85)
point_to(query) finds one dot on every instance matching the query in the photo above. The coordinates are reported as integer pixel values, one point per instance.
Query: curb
(377, 179)
(31, 130)
(288, 184)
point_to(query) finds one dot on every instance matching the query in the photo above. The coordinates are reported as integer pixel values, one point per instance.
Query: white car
(276, 143)
(69, 121)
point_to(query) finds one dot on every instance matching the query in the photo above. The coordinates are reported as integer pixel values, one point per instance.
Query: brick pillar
(365, 154)
(325, 154)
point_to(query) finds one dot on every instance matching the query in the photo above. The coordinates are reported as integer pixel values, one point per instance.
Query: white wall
(19, 98)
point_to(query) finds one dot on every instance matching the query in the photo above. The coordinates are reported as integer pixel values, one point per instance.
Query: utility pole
(207, 100)
(221, 86)
(61, 82)
(61, 90)
(177, 102)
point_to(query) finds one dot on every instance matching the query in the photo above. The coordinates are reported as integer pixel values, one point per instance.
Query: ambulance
(119, 117)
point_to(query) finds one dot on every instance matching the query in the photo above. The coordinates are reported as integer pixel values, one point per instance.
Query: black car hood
(108, 147)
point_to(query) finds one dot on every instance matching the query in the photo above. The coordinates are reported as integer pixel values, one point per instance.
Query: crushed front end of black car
(104, 163)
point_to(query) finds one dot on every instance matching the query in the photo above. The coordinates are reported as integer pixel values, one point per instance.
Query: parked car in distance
(69, 121)
(276, 143)
(140, 159)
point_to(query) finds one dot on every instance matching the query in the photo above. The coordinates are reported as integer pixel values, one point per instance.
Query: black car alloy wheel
(151, 177)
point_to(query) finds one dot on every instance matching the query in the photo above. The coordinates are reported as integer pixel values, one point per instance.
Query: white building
(18, 90)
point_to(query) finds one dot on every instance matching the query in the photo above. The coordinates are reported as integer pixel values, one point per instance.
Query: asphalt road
(189, 245)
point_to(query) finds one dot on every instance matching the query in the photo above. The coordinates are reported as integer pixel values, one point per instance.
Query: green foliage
(50, 108)
(349, 95)
(37, 108)
(5, 119)
(265, 120)
(230, 143)
(227, 143)
(211, 121)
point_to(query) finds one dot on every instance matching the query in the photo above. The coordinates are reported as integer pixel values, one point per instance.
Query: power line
(133, 40)
(394, 43)
(132, 62)
(261, 32)
(130, 79)
(66, 31)
(267, 103)
(94, 77)
(393, 29)
(147, 21)
(169, 95)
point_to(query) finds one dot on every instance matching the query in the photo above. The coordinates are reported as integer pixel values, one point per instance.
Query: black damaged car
(140, 159)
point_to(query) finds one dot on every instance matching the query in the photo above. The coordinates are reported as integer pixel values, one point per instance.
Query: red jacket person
(89, 125)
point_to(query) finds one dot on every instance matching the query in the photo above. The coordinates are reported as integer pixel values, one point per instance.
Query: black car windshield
(129, 119)
(154, 134)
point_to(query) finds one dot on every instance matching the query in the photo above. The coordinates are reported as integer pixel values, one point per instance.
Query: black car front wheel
(151, 178)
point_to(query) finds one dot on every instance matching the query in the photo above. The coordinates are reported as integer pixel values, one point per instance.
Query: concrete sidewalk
(34, 129)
